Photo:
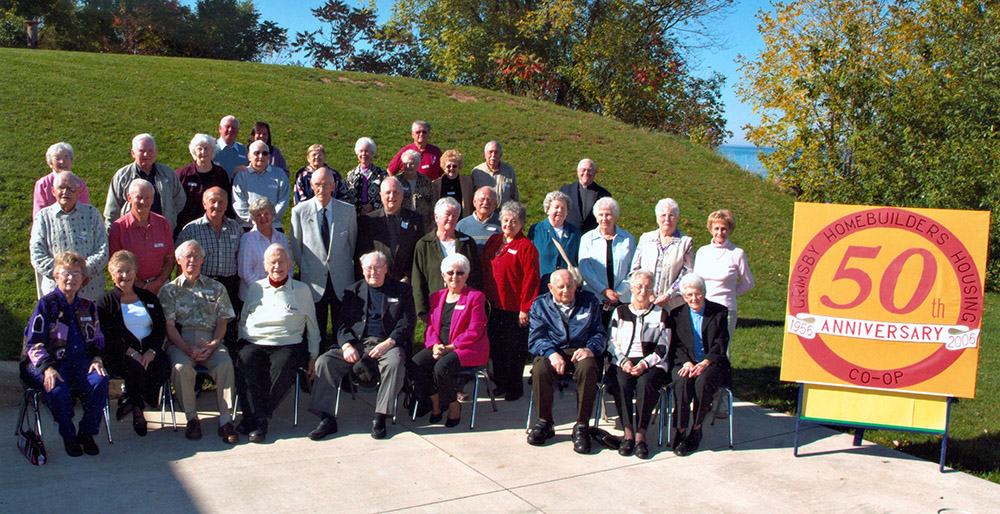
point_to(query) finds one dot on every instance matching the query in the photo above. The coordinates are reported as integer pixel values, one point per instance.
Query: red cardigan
(468, 326)
(510, 272)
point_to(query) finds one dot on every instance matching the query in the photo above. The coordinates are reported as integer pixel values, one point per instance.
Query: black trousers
(432, 375)
(508, 349)
(142, 385)
(328, 304)
(645, 389)
(264, 374)
(699, 389)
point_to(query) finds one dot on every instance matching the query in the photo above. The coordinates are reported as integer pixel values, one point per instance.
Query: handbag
(30, 443)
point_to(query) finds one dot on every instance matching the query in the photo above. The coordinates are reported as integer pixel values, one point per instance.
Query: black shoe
(626, 448)
(642, 450)
(679, 448)
(326, 426)
(451, 423)
(259, 433)
(541, 432)
(378, 426)
(581, 438)
(86, 441)
(139, 422)
(693, 440)
(73, 448)
(435, 418)
(245, 426)
(513, 397)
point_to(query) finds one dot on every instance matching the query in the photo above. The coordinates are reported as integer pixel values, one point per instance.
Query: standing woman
(606, 258)
(199, 176)
(554, 226)
(59, 157)
(135, 328)
(302, 188)
(453, 184)
(724, 266)
(667, 253)
(510, 281)
(365, 181)
(262, 132)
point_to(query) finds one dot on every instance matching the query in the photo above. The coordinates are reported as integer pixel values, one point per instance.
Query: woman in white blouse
(724, 266)
(667, 253)
(254, 242)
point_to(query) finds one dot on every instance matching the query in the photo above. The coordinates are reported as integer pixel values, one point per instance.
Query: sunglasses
(264, 153)
(454, 273)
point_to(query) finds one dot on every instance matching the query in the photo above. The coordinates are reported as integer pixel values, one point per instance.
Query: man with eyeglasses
(392, 230)
(430, 155)
(373, 340)
(260, 179)
(169, 197)
(69, 226)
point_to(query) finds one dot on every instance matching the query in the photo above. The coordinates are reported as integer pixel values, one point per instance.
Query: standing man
(168, 195)
(260, 180)
(392, 230)
(230, 153)
(147, 235)
(583, 194)
(483, 222)
(324, 235)
(430, 155)
(496, 174)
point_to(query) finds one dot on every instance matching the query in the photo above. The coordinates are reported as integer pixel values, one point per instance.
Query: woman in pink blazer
(455, 339)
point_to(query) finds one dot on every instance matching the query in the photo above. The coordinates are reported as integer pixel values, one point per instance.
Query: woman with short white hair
(255, 242)
(606, 257)
(667, 253)
(199, 176)
(554, 228)
(365, 181)
(59, 157)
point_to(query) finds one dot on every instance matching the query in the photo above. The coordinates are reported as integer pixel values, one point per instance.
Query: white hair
(667, 205)
(692, 280)
(257, 143)
(607, 203)
(202, 140)
(364, 142)
(411, 154)
(387, 181)
(143, 137)
(366, 258)
(190, 243)
(229, 118)
(492, 142)
(641, 273)
(275, 248)
(493, 192)
(516, 209)
(56, 149)
(420, 123)
(140, 182)
(555, 196)
(446, 203)
(453, 260)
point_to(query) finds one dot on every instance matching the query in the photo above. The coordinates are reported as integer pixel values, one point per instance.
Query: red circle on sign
(884, 217)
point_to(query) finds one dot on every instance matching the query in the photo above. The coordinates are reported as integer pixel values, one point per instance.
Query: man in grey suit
(324, 233)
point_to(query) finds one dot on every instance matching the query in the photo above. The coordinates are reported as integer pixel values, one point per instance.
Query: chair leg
(168, 396)
(107, 420)
(38, 416)
(295, 415)
(600, 404)
(236, 405)
(395, 408)
(659, 438)
(336, 405)
(21, 413)
(531, 402)
(730, 418)
(489, 390)
(475, 402)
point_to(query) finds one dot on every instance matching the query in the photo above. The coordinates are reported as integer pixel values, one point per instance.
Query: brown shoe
(228, 434)
(193, 431)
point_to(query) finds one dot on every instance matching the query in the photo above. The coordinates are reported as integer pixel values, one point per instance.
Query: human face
(365, 156)
(374, 271)
(259, 156)
(563, 287)
(446, 220)
(455, 278)
(392, 196)
(68, 279)
(123, 275)
(642, 291)
(410, 167)
(190, 263)
(557, 213)
(262, 134)
(493, 154)
(586, 173)
(694, 298)
(451, 169)
(229, 130)
(215, 205)
(62, 161)
(322, 184)
(606, 219)
(141, 199)
(144, 154)
(277, 265)
(420, 134)
(263, 220)
(66, 191)
(511, 225)
(484, 204)
(720, 232)
(317, 158)
(203, 154)
(667, 221)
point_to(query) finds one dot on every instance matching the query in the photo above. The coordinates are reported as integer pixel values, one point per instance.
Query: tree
(12, 30)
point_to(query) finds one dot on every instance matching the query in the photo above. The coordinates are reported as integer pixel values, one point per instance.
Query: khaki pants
(220, 367)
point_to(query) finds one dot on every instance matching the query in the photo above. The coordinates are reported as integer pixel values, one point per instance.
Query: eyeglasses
(457, 273)
(264, 153)
(421, 131)
(451, 166)
(65, 189)
(69, 274)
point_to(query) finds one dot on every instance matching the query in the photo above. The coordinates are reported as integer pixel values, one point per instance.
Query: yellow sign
(885, 298)
(880, 409)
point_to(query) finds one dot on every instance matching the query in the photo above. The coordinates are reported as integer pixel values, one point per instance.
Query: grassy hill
(98, 102)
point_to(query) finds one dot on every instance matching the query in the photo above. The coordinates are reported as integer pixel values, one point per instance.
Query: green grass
(98, 102)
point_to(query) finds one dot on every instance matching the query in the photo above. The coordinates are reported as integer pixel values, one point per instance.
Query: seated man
(197, 310)
(375, 326)
(565, 336)
(277, 317)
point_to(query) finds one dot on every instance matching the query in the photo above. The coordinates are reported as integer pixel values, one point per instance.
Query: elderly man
(583, 194)
(168, 195)
(430, 155)
(260, 179)
(230, 153)
(496, 174)
(433, 248)
(566, 336)
(197, 310)
(147, 235)
(324, 233)
(392, 230)
(279, 325)
(375, 328)
(69, 226)
(484, 222)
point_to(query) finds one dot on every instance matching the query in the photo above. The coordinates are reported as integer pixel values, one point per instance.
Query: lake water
(745, 157)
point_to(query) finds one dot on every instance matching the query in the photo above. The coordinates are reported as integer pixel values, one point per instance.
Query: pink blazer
(468, 326)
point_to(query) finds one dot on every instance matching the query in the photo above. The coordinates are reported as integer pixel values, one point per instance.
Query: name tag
(158, 245)
(583, 315)
(464, 239)
(192, 184)
(392, 300)
(343, 234)
(234, 236)
(149, 306)
(290, 308)
(459, 307)
(405, 225)
(512, 251)
(86, 318)
(491, 228)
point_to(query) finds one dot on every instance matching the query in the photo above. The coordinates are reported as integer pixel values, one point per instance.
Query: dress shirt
(220, 247)
(150, 243)
(229, 157)
(480, 231)
(196, 304)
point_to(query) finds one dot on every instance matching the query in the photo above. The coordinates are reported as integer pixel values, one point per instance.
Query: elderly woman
(135, 329)
(63, 345)
(59, 157)
(452, 184)
(316, 156)
(723, 265)
(667, 253)
(554, 228)
(606, 258)
(697, 356)
(260, 180)
(262, 132)
(432, 249)
(199, 176)
(418, 191)
(253, 244)
(638, 346)
(364, 181)
(510, 281)
(455, 339)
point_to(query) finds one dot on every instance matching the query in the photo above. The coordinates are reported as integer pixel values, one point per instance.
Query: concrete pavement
(434, 469)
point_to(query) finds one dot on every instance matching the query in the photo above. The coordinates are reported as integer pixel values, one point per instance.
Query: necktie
(324, 229)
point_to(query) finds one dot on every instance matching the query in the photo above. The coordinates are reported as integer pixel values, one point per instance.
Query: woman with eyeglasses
(455, 339)
(452, 184)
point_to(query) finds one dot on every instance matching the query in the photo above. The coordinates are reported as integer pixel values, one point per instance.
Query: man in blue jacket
(565, 336)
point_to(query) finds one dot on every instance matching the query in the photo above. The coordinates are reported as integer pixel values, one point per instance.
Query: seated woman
(60, 356)
(556, 206)
(252, 245)
(638, 344)
(697, 359)
(455, 339)
(133, 320)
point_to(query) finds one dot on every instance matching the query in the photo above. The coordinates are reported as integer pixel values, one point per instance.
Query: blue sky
(738, 29)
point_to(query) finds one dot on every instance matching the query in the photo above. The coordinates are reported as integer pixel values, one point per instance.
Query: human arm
(745, 277)
(542, 339)
(528, 257)
(280, 206)
(241, 199)
(166, 269)
(115, 200)
(97, 257)
(38, 244)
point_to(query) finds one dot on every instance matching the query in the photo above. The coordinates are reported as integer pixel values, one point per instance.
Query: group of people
(375, 251)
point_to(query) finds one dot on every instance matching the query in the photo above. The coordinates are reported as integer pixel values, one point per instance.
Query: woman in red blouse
(510, 281)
